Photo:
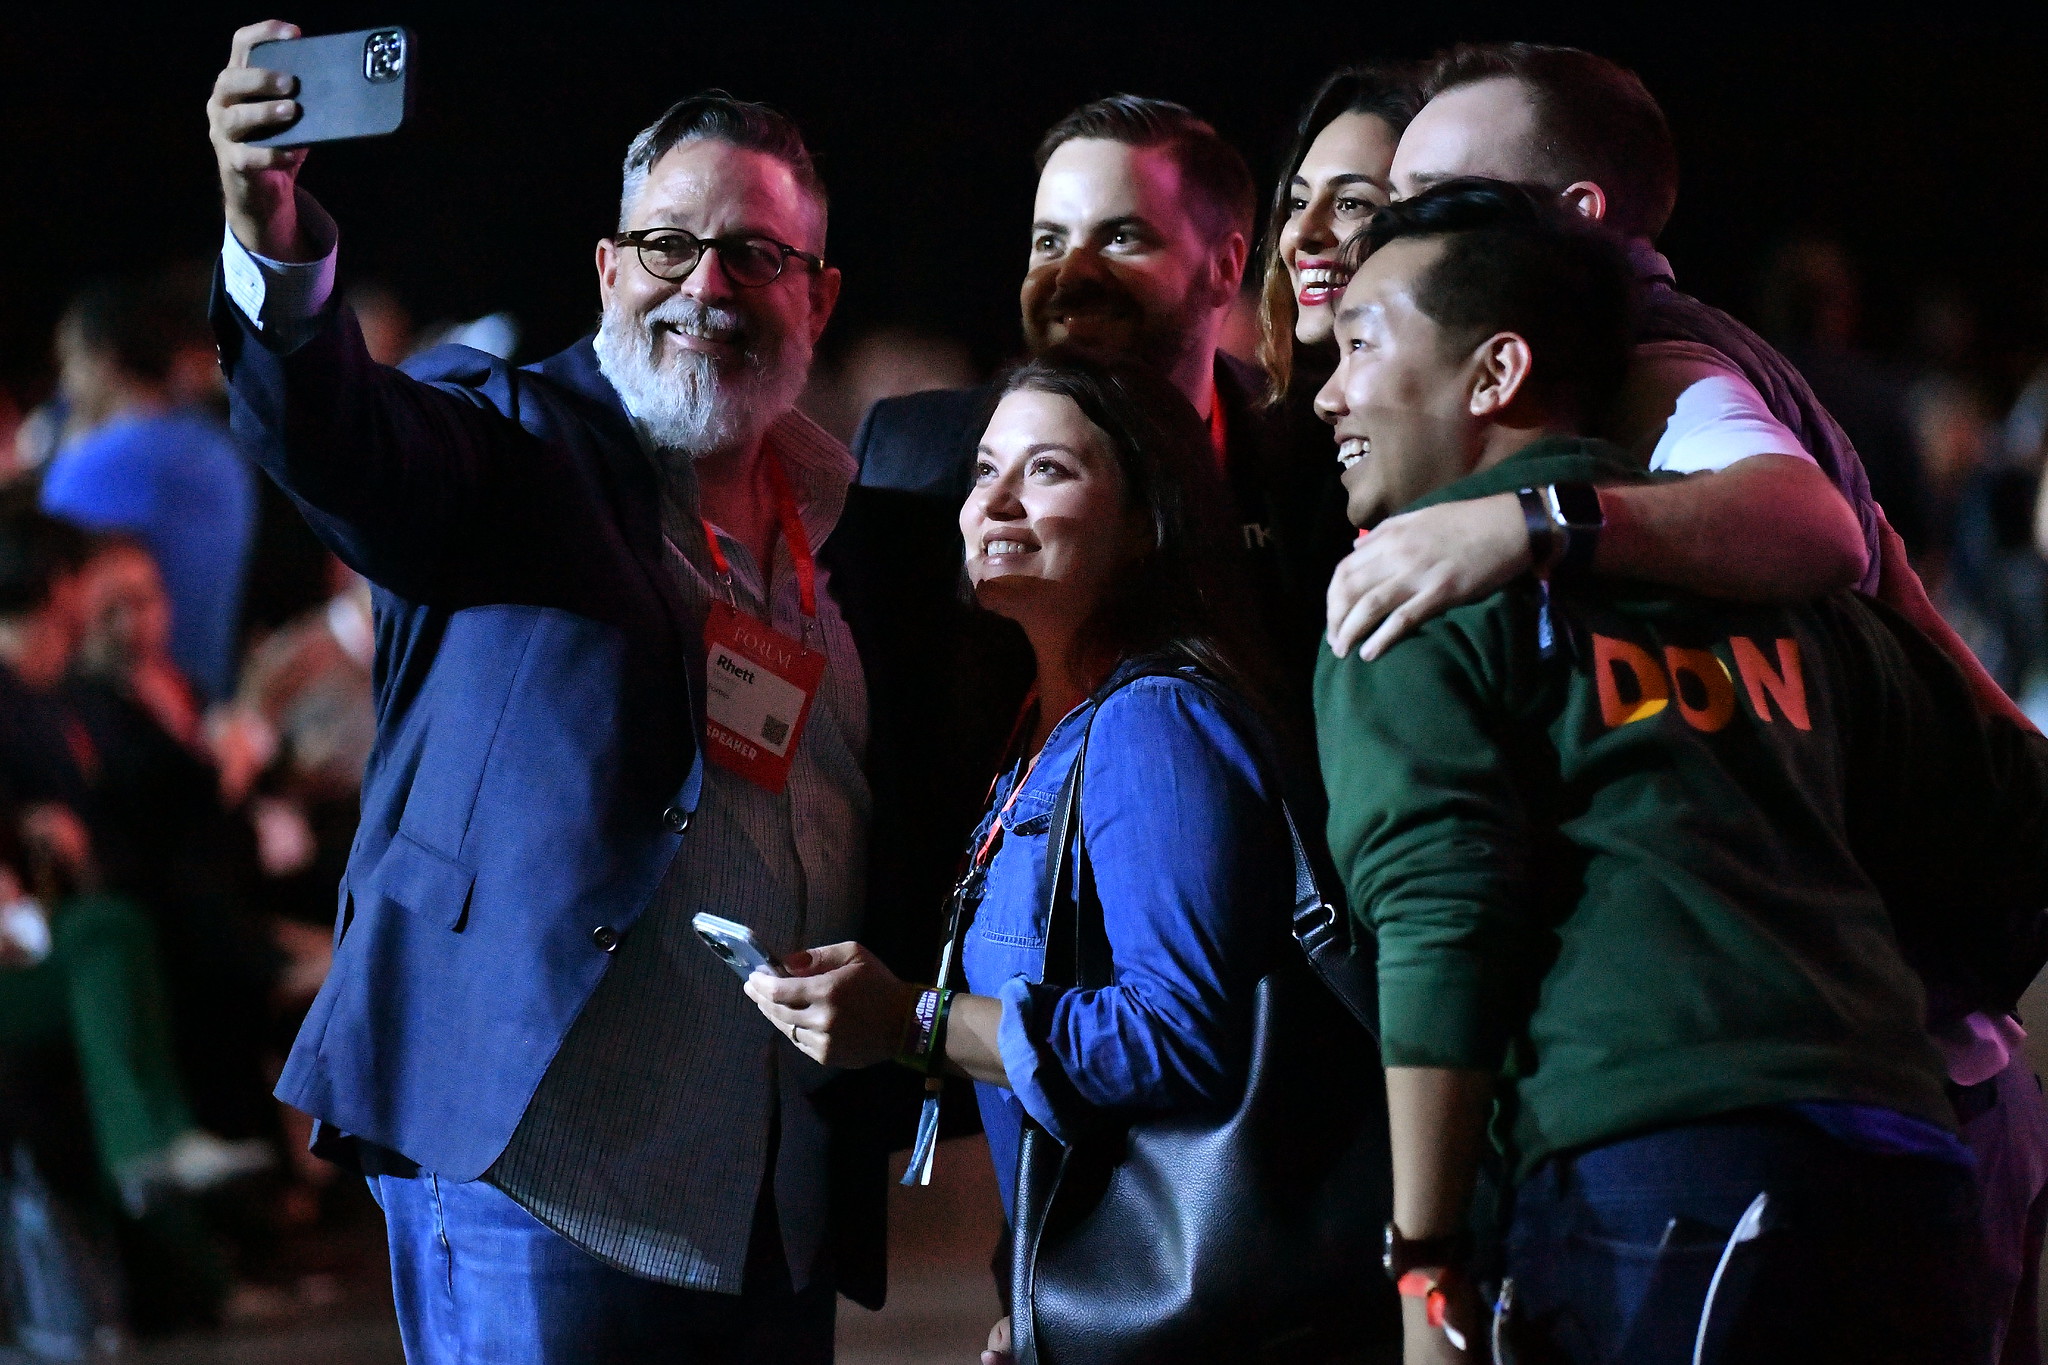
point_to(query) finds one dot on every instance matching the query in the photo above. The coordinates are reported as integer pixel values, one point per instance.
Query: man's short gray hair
(715, 114)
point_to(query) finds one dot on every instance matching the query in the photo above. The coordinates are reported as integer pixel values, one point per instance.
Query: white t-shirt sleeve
(1687, 410)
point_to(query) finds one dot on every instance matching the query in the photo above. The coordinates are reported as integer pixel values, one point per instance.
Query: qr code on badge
(774, 729)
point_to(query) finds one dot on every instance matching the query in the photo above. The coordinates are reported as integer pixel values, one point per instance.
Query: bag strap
(1076, 945)
(1041, 1161)
(1066, 961)
(1325, 934)
(1327, 938)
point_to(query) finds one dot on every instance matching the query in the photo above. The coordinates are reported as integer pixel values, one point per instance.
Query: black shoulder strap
(1327, 936)
(1076, 943)
(1065, 954)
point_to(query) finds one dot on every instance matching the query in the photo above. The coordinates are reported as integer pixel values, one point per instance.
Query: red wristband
(1420, 1284)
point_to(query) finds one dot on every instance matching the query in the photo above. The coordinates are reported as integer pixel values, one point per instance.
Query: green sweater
(1625, 871)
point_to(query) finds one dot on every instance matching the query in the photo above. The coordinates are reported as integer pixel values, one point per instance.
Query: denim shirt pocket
(1012, 912)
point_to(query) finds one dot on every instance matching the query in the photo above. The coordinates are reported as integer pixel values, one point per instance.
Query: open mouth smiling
(1321, 282)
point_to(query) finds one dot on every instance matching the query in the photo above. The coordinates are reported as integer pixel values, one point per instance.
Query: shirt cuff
(1446, 1019)
(1036, 1075)
(283, 299)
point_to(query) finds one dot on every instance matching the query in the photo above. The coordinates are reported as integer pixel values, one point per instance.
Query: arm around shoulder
(1756, 519)
(1770, 528)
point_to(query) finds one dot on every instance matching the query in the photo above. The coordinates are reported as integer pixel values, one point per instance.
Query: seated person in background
(151, 806)
(127, 641)
(134, 361)
(42, 621)
(80, 965)
(1646, 867)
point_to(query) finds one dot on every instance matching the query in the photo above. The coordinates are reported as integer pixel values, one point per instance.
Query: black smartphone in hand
(350, 84)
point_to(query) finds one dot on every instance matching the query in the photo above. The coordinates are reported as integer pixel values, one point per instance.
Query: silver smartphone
(736, 944)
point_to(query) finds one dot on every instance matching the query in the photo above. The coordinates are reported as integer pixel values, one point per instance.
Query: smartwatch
(1575, 511)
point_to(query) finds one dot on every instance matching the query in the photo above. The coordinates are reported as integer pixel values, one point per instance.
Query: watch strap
(1546, 540)
(1403, 1254)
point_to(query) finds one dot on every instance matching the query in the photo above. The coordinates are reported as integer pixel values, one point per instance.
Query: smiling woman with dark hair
(1097, 523)
(1339, 173)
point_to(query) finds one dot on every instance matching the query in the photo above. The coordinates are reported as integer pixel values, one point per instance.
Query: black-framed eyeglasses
(748, 259)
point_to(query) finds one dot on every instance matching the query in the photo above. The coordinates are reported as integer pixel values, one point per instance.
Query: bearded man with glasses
(587, 1143)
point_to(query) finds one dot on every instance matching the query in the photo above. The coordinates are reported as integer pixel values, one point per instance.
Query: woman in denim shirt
(1099, 523)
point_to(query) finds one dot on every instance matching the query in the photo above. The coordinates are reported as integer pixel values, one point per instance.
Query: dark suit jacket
(538, 689)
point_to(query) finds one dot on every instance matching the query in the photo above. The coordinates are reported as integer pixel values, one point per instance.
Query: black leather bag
(1247, 1235)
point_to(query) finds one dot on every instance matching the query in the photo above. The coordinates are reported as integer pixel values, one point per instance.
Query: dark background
(1919, 137)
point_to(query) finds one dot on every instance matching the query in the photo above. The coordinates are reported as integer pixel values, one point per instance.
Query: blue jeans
(480, 1281)
(1614, 1253)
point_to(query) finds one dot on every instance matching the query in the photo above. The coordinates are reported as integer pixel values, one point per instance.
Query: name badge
(759, 686)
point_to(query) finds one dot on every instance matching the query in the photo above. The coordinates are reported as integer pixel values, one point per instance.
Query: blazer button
(675, 820)
(605, 937)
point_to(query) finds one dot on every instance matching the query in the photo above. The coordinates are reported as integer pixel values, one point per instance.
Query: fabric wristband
(921, 1030)
(1418, 1285)
(935, 1051)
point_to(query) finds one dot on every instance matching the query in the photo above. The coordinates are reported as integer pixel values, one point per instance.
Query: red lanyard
(1219, 431)
(987, 849)
(793, 536)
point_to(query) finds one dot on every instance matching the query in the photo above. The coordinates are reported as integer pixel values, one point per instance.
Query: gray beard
(689, 404)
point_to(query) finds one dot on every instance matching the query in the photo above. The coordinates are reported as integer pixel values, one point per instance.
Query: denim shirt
(1194, 872)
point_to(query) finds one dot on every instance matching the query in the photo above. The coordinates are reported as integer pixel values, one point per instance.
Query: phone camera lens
(384, 55)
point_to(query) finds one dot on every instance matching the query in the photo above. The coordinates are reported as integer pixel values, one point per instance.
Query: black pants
(1620, 1253)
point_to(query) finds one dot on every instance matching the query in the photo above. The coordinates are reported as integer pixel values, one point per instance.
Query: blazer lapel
(636, 490)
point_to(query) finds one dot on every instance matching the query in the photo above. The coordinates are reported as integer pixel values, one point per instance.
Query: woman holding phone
(1097, 523)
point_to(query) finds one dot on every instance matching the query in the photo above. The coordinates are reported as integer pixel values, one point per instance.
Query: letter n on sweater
(1785, 684)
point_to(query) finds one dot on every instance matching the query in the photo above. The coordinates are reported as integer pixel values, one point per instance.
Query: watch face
(1580, 505)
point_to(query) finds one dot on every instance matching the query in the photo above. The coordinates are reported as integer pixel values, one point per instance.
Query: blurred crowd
(186, 703)
(1954, 435)
(185, 710)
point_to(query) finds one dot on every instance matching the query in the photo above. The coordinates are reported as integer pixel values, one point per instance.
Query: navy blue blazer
(537, 761)
(534, 771)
